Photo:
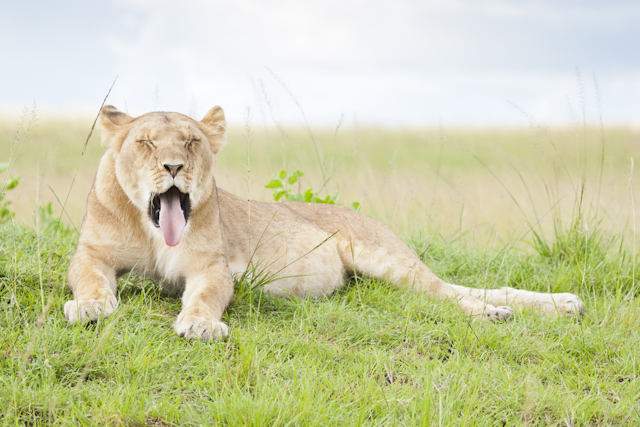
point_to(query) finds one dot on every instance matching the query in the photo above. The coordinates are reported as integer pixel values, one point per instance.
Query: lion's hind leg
(402, 268)
(560, 304)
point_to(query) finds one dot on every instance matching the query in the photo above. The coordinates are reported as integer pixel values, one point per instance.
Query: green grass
(368, 355)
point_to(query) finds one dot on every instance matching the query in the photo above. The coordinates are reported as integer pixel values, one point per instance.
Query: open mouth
(170, 211)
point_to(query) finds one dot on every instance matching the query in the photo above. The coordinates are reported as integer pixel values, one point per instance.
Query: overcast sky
(391, 63)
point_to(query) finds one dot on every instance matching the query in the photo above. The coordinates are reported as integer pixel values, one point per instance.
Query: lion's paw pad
(91, 310)
(570, 305)
(498, 313)
(200, 328)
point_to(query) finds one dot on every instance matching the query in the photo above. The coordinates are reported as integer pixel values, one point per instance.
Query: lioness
(155, 209)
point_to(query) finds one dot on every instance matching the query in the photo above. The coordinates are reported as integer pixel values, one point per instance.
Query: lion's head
(164, 162)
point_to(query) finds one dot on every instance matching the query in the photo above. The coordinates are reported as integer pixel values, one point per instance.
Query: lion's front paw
(89, 310)
(497, 313)
(191, 327)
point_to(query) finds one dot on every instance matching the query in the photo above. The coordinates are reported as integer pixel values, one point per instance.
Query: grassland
(445, 181)
(370, 354)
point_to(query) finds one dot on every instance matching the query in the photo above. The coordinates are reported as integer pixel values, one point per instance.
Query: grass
(369, 354)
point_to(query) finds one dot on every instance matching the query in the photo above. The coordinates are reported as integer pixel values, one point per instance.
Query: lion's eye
(190, 142)
(146, 141)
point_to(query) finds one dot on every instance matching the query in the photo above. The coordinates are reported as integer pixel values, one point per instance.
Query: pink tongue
(172, 220)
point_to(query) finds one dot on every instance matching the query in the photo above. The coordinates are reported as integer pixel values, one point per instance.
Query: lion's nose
(173, 169)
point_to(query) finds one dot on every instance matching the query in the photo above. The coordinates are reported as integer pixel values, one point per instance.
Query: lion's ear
(213, 125)
(112, 121)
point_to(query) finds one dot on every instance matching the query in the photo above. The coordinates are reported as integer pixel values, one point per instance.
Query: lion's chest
(161, 262)
(170, 263)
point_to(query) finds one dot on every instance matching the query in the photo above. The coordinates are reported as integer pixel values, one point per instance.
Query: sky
(284, 62)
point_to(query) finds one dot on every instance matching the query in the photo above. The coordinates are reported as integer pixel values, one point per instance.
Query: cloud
(405, 62)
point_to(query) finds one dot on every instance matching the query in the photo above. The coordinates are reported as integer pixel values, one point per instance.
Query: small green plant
(282, 182)
(10, 183)
(49, 222)
(45, 212)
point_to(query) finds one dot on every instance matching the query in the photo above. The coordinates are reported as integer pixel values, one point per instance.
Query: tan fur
(309, 248)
